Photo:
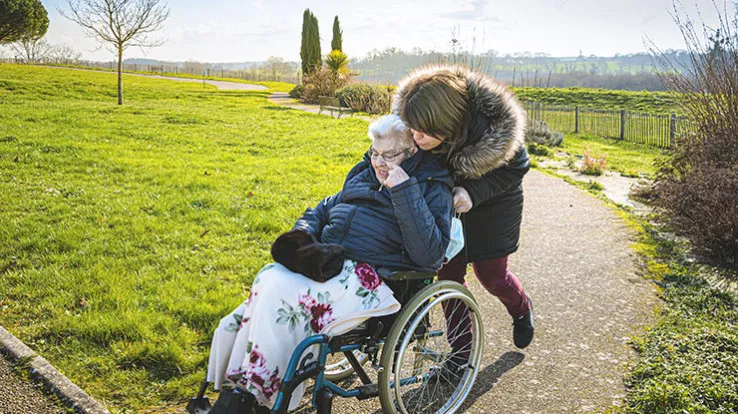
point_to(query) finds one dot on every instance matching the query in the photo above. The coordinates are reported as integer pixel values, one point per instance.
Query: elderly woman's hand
(396, 176)
(462, 200)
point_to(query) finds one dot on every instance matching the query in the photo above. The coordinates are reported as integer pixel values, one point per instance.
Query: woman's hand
(396, 176)
(462, 200)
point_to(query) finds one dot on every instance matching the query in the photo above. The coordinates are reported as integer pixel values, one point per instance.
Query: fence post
(672, 130)
(622, 124)
(576, 119)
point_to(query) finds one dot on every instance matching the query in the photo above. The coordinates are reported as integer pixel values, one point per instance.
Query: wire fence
(194, 69)
(658, 130)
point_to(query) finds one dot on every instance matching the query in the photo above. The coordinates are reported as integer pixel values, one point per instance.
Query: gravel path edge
(70, 394)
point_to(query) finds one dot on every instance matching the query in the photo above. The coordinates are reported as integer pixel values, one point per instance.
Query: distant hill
(627, 72)
(218, 66)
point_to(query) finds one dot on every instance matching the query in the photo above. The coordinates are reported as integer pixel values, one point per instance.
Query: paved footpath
(576, 264)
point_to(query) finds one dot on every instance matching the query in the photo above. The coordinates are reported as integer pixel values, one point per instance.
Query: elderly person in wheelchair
(338, 281)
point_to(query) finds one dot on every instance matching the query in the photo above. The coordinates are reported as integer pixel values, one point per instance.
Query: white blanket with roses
(253, 344)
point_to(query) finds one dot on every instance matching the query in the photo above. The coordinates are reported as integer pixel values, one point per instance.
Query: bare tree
(119, 24)
(31, 50)
(64, 54)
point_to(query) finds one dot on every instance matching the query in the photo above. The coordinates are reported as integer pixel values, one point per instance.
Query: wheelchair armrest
(397, 275)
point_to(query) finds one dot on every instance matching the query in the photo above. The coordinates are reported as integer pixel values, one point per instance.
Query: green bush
(537, 149)
(298, 91)
(366, 97)
(539, 132)
(595, 186)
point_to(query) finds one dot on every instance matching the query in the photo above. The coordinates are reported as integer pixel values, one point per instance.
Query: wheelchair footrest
(367, 391)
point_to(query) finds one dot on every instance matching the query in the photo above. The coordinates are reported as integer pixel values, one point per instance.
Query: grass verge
(630, 160)
(688, 360)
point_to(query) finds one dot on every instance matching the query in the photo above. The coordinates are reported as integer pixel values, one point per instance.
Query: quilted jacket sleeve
(425, 220)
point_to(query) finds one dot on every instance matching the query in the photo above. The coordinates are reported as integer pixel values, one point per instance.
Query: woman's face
(425, 141)
(388, 153)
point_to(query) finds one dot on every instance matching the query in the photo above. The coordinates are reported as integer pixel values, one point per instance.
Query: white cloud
(476, 10)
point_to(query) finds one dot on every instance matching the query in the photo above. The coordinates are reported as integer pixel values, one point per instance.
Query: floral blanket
(253, 344)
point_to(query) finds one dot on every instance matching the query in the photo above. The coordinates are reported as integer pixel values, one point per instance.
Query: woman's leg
(458, 320)
(497, 278)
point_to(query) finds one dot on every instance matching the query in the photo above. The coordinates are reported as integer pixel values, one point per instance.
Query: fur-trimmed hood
(490, 145)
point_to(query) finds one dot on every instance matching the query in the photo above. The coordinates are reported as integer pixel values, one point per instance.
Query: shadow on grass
(277, 108)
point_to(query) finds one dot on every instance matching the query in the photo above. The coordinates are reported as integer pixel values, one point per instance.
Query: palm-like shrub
(337, 62)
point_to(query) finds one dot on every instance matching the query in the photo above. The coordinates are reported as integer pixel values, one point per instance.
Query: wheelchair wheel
(421, 371)
(338, 368)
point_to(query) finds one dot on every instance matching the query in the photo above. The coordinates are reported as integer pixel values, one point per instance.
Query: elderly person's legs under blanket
(252, 345)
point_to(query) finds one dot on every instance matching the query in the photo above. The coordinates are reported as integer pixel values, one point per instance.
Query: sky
(253, 30)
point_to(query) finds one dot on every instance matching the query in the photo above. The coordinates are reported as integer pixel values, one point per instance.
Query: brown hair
(436, 102)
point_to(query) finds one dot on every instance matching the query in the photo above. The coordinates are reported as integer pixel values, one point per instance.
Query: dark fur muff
(298, 251)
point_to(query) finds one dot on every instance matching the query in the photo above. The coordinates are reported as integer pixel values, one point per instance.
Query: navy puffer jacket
(406, 227)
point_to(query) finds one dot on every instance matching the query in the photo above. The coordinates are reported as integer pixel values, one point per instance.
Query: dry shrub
(367, 97)
(323, 82)
(697, 186)
(540, 133)
(643, 192)
(593, 164)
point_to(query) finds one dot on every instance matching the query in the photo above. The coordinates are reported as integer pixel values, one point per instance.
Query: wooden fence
(658, 130)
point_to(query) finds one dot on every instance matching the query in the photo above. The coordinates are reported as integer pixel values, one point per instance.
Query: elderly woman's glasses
(387, 157)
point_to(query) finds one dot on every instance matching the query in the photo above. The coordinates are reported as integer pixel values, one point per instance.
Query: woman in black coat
(477, 127)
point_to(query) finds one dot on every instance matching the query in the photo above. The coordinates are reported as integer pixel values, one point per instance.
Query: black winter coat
(490, 165)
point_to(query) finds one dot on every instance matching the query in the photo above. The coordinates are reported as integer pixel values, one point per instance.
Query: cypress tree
(304, 44)
(337, 42)
(315, 57)
(310, 46)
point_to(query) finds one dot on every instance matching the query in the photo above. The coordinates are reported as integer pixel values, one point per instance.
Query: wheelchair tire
(417, 354)
(338, 368)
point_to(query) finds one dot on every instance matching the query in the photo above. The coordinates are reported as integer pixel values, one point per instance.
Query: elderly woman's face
(388, 153)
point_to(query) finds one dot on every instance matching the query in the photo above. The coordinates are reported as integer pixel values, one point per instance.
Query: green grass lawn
(624, 157)
(644, 101)
(274, 86)
(127, 232)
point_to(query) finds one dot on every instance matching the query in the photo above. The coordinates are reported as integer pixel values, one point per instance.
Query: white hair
(391, 127)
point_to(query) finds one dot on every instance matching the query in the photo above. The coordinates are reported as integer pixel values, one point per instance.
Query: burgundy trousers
(496, 277)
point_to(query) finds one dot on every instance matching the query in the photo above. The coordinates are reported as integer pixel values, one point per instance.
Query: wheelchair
(417, 369)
